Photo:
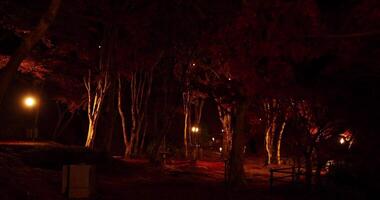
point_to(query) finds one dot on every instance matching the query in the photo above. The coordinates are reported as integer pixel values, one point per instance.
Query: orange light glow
(30, 101)
(194, 129)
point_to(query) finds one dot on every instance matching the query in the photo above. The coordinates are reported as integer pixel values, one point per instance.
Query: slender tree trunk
(269, 140)
(279, 142)
(186, 104)
(141, 149)
(123, 120)
(62, 124)
(268, 132)
(111, 117)
(10, 69)
(61, 115)
(267, 146)
(141, 85)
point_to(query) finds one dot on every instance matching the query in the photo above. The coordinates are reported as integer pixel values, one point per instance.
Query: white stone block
(78, 180)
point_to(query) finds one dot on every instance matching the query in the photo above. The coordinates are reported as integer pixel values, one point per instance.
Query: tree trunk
(90, 135)
(267, 146)
(123, 120)
(141, 86)
(10, 69)
(236, 169)
(141, 149)
(225, 119)
(95, 103)
(111, 118)
(61, 115)
(279, 142)
(62, 124)
(186, 104)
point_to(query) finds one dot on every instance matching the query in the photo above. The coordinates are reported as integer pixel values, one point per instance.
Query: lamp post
(31, 102)
(195, 131)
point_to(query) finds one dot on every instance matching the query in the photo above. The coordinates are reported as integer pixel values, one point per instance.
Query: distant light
(229, 79)
(222, 130)
(342, 141)
(100, 46)
(213, 139)
(220, 149)
(193, 64)
(29, 101)
(194, 129)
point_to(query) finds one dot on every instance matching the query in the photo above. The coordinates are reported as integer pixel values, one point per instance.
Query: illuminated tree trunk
(141, 85)
(186, 108)
(279, 141)
(127, 144)
(95, 101)
(10, 69)
(271, 117)
(270, 139)
(274, 130)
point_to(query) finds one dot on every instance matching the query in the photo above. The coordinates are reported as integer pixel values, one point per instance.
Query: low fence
(285, 174)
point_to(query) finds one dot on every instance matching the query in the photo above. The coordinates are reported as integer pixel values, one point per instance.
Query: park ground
(32, 170)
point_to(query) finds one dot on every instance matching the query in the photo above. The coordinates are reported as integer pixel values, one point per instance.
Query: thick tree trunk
(10, 69)
(95, 103)
(225, 119)
(90, 135)
(236, 169)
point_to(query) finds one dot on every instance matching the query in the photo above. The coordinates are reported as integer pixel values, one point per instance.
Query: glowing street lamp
(194, 129)
(30, 102)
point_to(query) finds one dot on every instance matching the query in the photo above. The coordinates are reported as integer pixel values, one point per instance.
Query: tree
(95, 102)
(141, 85)
(274, 114)
(259, 49)
(29, 42)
